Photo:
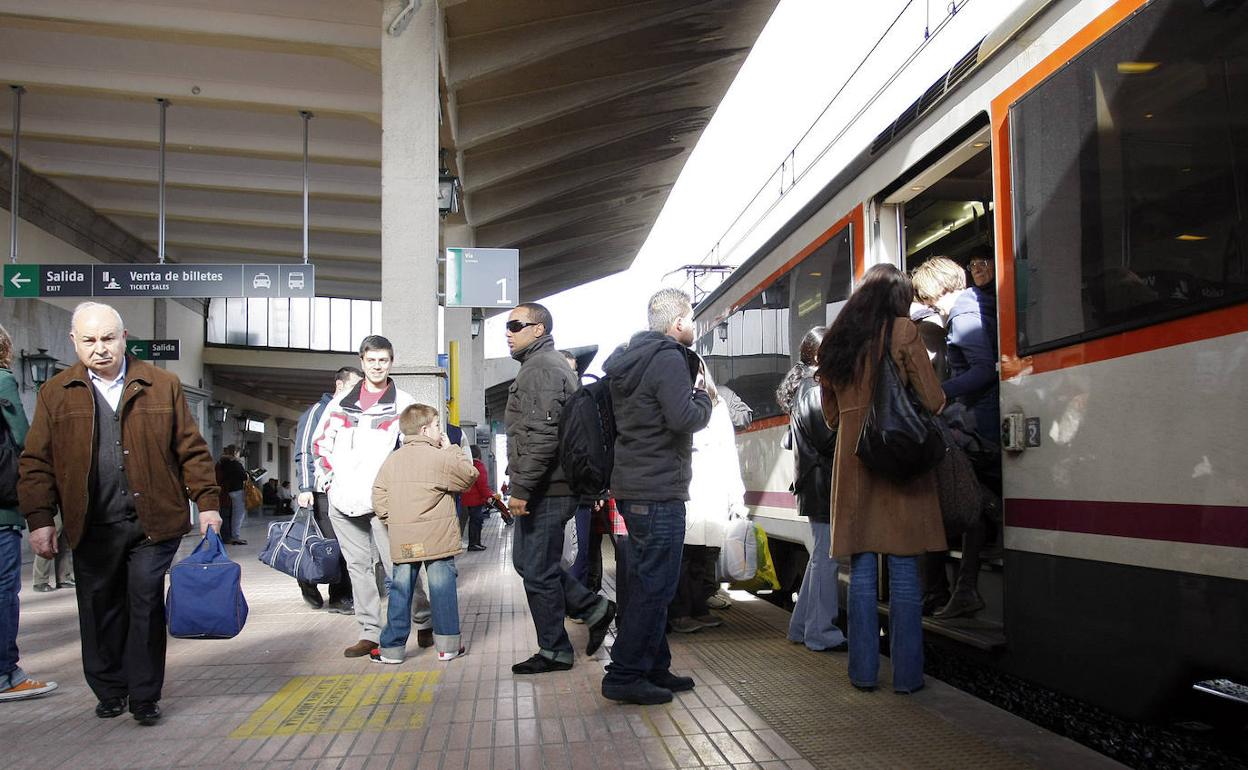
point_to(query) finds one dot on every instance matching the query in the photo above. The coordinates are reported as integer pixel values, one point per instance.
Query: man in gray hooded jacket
(541, 499)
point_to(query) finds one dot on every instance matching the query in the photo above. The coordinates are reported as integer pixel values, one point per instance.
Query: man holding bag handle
(123, 497)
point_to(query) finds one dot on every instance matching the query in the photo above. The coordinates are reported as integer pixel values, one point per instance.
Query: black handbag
(899, 437)
(961, 494)
(297, 548)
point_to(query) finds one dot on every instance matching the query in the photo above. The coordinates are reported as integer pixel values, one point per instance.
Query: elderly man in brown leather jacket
(123, 498)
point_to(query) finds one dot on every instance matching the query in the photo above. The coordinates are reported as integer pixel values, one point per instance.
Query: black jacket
(657, 410)
(814, 445)
(534, 404)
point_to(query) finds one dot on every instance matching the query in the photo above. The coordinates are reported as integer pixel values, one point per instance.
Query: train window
(753, 348)
(1130, 200)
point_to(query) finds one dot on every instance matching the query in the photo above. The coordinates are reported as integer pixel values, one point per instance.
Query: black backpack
(8, 465)
(587, 439)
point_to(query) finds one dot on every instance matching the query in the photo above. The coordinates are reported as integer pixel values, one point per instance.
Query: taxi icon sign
(261, 281)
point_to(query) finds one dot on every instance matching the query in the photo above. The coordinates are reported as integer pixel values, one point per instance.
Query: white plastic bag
(738, 559)
(569, 545)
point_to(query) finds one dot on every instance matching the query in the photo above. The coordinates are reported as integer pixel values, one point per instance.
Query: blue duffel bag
(297, 548)
(205, 599)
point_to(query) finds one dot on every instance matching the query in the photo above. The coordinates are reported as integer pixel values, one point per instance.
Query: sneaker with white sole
(719, 601)
(375, 656)
(445, 656)
(30, 688)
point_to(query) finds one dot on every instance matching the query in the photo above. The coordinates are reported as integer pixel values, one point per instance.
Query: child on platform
(414, 494)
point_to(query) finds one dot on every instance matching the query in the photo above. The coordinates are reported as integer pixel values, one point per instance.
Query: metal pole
(160, 214)
(306, 117)
(16, 172)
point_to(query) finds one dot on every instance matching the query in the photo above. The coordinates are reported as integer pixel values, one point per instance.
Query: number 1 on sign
(502, 283)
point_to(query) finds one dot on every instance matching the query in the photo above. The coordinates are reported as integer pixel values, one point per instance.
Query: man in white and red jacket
(356, 433)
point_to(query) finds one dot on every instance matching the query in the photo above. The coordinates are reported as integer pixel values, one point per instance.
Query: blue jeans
(11, 674)
(905, 622)
(818, 603)
(443, 601)
(655, 542)
(537, 545)
(580, 567)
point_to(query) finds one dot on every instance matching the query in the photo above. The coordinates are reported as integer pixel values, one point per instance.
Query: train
(1096, 150)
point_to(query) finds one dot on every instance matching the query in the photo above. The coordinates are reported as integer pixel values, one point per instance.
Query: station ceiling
(568, 121)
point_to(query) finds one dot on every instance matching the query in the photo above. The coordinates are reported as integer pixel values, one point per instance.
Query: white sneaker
(445, 656)
(376, 657)
(719, 601)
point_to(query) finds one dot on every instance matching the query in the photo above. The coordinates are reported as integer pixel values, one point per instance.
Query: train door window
(758, 343)
(1130, 202)
(820, 285)
(951, 216)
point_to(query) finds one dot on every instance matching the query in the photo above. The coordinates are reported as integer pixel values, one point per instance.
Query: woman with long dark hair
(813, 622)
(873, 515)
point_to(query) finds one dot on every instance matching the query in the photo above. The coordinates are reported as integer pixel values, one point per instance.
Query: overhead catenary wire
(717, 253)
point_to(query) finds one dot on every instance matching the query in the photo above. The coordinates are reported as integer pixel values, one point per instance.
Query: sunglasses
(515, 327)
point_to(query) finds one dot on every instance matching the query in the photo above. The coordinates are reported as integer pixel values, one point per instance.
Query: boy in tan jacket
(414, 495)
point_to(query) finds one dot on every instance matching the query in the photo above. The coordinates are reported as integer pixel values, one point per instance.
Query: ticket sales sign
(168, 280)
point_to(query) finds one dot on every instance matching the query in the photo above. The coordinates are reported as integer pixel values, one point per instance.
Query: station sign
(154, 350)
(482, 277)
(169, 280)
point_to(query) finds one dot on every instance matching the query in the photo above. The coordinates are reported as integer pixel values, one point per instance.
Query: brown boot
(359, 649)
(424, 637)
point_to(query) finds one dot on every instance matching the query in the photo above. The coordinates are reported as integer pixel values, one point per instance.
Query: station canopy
(568, 121)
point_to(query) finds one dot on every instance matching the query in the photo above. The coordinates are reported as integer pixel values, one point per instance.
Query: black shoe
(146, 714)
(963, 604)
(640, 692)
(108, 708)
(932, 602)
(341, 607)
(539, 664)
(312, 597)
(476, 547)
(598, 631)
(238, 542)
(669, 681)
(842, 647)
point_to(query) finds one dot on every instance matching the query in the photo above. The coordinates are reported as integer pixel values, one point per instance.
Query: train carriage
(1097, 151)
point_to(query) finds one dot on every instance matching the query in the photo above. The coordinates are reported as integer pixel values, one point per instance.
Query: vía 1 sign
(482, 277)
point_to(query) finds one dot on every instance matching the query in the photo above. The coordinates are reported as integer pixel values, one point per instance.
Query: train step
(982, 634)
(1223, 688)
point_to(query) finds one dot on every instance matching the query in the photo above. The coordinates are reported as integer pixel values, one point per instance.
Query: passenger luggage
(587, 439)
(9, 454)
(297, 548)
(961, 495)
(899, 438)
(570, 545)
(205, 599)
(738, 558)
(253, 498)
(765, 577)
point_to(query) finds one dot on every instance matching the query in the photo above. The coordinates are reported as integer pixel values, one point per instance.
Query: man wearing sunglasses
(541, 499)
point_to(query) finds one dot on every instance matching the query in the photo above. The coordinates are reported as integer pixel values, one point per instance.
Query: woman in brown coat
(872, 514)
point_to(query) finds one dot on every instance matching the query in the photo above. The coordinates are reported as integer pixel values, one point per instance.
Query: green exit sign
(21, 280)
(153, 350)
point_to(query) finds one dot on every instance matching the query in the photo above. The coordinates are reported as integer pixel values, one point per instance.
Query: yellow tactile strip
(344, 703)
(807, 699)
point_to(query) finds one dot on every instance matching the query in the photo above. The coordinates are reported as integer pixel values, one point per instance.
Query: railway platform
(281, 695)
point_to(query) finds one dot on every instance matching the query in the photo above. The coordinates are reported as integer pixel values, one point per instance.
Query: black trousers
(342, 589)
(121, 610)
(691, 595)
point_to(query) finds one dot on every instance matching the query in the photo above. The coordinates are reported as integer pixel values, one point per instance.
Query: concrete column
(409, 210)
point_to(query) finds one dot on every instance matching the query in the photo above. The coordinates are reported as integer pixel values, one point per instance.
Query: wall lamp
(39, 367)
(217, 410)
(449, 189)
(722, 328)
(476, 323)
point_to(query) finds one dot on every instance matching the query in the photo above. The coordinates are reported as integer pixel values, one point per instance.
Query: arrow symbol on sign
(17, 280)
(135, 351)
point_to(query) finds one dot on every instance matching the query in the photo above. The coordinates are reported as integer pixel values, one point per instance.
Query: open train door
(1122, 252)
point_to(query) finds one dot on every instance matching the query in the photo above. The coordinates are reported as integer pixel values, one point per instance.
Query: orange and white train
(1099, 150)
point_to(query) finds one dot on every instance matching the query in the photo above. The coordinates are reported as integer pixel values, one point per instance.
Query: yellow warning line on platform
(350, 703)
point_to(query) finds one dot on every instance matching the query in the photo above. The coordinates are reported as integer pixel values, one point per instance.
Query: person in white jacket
(716, 495)
(358, 430)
